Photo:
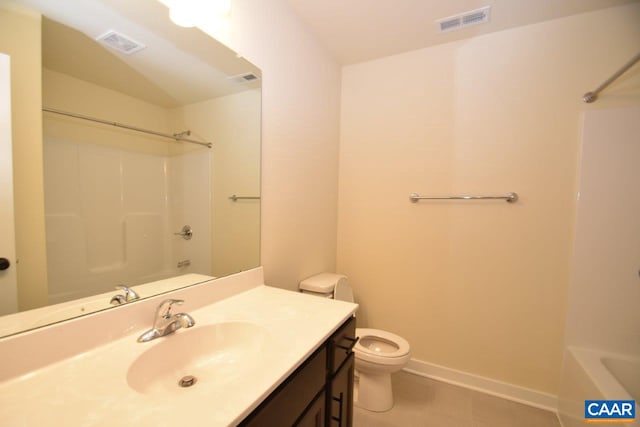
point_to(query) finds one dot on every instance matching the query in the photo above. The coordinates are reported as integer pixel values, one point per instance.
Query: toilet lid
(379, 343)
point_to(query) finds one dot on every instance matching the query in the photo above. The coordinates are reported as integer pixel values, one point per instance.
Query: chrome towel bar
(509, 197)
(234, 197)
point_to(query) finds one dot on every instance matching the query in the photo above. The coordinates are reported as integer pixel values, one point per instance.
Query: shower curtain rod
(178, 137)
(592, 96)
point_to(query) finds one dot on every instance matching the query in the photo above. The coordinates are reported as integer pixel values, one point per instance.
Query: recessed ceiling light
(190, 13)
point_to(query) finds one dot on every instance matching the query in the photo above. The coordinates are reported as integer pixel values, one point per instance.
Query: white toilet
(378, 353)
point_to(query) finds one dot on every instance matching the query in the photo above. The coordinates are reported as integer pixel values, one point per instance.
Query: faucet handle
(117, 300)
(164, 309)
(129, 294)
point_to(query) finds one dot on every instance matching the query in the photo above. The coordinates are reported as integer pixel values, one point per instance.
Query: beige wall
(20, 39)
(233, 124)
(64, 92)
(476, 286)
(300, 119)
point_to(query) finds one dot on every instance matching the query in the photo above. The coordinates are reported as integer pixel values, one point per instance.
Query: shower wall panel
(107, 218)
(605, 289)
(190, 204)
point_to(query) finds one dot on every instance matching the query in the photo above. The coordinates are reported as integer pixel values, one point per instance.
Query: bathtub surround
(119, 222)
(233, 122)
(476, 287)
(605, 287)
(113, 199)
(589, 374)
(602, 357)
(172, 185)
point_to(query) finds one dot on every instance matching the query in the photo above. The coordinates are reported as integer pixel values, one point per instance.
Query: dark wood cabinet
(315, 415)
(340, 368)
(340, 345)
(319, 393)
(340, 396)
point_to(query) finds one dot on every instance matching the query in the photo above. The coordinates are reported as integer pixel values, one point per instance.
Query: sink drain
(187, 381)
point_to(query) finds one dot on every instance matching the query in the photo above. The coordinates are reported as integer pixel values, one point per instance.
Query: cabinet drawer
(341, 345)
(290, 400)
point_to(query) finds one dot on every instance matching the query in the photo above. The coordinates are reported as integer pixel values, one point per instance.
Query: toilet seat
(378, 346)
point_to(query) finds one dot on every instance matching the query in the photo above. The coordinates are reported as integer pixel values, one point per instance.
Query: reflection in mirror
(126, 160)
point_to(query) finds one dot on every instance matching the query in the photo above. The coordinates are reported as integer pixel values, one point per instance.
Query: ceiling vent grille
(466, 19)
(244, 78)
(120, 42)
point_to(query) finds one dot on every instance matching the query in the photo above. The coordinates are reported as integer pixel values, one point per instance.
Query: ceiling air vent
(120, 42)
(466, 19)
(244, 78)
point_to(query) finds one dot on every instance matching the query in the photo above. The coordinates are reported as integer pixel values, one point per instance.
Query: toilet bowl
(378, 353)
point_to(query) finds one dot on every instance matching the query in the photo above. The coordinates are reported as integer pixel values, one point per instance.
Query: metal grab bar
(178, 137)
(509, 197)
(592, 96)
(235, 198)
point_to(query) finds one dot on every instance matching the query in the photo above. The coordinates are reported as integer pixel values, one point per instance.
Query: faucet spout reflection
(165, 323)
(129, 295)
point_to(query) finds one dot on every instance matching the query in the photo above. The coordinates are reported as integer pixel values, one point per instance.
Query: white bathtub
(589, 374)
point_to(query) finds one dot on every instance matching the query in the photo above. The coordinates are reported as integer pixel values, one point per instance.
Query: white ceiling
(360, 30)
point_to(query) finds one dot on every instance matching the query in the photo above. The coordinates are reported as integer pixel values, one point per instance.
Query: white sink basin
(216, 354)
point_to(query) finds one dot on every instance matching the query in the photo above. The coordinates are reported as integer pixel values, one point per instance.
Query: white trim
(560, 420)
(501, 389)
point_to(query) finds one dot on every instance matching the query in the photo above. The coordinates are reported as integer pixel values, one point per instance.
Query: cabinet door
(285, 405)
(314, 416)
(341, 345)
(340, 396)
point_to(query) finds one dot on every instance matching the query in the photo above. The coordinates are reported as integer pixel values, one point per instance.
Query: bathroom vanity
(260, 356)
(318, 393)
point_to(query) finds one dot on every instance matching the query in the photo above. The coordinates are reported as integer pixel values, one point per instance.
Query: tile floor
(422, 402)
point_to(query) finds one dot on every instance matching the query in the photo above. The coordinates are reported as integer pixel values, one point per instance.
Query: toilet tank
(328, 285)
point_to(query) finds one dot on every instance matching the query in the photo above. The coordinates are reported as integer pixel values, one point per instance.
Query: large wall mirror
(136, 158)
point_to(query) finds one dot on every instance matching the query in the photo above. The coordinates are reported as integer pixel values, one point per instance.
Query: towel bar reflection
(509, 197)
(235, 198)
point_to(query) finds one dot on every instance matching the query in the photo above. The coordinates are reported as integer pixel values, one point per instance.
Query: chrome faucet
(129, 295)
(165, 323)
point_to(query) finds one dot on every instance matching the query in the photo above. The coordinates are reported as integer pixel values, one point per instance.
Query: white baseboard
(507, 391)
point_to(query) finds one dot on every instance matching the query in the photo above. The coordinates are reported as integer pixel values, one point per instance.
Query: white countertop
(91, 388)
